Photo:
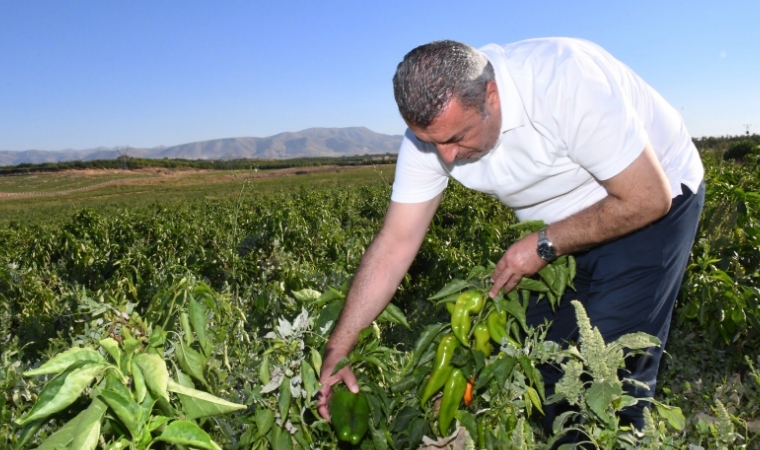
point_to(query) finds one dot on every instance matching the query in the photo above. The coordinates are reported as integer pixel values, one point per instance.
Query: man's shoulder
(411, 141)
(551, 50)
(416, 151)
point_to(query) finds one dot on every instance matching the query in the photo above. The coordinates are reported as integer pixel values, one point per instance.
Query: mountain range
(312, 142)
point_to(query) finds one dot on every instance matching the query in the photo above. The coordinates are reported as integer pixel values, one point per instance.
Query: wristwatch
(545, 249)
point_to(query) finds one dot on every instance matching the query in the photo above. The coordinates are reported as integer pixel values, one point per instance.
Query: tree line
(166, 163)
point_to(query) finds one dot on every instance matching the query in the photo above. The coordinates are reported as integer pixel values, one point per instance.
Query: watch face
(547, 251)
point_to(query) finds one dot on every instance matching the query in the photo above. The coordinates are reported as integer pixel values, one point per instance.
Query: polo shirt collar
(512, 109)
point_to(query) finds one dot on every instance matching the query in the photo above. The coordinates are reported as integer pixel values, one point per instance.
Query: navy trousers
(627, 285)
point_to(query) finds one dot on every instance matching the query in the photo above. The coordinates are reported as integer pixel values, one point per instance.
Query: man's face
(463, 133)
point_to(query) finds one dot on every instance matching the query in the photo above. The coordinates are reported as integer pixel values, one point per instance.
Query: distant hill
(313, 142)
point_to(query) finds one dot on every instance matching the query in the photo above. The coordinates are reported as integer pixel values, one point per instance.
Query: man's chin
(477, 154)
(472, 156)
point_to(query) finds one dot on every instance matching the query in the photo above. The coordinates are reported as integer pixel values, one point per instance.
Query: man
(560, 131)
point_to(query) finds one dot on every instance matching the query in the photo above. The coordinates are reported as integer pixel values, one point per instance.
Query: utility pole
(747, 126)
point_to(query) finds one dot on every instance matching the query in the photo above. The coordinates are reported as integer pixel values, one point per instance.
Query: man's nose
(448, 152)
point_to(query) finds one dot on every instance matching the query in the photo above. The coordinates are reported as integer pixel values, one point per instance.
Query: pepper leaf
(468, 421)
(515, 309)
(199, 322)
(453, 287)
(138, 379)
(153, 367)
(183, 432)
(378, 437)
(533, 285)
(67, 433)
(461, 357)
(28, 432)
(87, 437)
(341, 364)
(419, 428)
(285, 396)
(264, 421)
(112, 347)
(197, 403)
(534, 398)
(192, 362)
(309, 378)
(64, 360)
(393, 314)
(61, 391)
(126, 410)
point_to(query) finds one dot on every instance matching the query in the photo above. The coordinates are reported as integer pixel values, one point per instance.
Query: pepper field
(197, 319)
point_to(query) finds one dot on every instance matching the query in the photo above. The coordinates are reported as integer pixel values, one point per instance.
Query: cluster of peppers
(456, 387)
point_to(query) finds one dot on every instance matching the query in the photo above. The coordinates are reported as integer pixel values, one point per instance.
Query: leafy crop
(741, 150)
(231, 301)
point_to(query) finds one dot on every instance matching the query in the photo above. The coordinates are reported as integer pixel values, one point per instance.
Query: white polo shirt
(571, 115)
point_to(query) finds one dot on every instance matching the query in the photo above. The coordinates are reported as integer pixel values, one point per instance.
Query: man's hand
(382, 268)
(520, 260)
(637, 196)
(328, 380)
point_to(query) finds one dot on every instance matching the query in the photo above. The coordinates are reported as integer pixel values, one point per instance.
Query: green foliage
(721, 287)
(740, 150)
(591, 383)
(197, 306)
(130, 395)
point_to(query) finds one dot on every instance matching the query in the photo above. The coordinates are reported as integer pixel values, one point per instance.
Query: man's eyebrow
(455, 138)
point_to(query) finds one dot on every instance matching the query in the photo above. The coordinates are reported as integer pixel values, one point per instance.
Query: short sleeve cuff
(418, 196)
(634, 145)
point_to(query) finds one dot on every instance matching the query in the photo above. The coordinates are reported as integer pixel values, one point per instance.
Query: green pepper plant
(134, 403)
(501, 387)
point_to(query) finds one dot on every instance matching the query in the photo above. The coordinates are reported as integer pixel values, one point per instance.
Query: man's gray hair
(432, 74)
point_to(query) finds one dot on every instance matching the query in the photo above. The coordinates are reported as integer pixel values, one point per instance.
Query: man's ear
(492, 95)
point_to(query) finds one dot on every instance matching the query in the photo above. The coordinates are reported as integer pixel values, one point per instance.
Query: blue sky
(82, 74)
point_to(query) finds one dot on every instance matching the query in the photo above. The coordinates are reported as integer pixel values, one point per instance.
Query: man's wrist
(545, 248)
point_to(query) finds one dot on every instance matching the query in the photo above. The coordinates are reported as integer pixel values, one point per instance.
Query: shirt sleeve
(595, 117)
(419, 174)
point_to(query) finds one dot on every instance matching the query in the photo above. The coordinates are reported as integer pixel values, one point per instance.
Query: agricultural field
(60, 183)
(45, 197)
(190, 310)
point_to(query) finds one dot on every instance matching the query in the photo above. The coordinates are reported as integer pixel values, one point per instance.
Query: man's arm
(637, 196)
(382, 268)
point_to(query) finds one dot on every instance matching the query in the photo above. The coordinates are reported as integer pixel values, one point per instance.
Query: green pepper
(482, 339)
(497, 328)
(441, 368)
(509, 420)
(469, 302)
(481, 434)
(453, 392)
(349, 413)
